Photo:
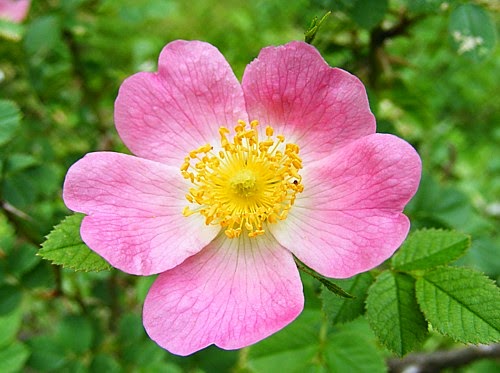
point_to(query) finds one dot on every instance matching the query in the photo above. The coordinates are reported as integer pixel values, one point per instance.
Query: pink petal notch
(293, 89)
(134, 209)
(349, 218)
(162, 116)
(232, 294)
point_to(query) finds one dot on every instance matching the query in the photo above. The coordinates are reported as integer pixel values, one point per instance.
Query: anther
(246, 183)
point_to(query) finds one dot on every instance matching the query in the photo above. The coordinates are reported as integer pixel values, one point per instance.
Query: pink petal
(14, 10)
(162, 116)
(291, 87)
(134, 209)
(234, 293)
(349, 217)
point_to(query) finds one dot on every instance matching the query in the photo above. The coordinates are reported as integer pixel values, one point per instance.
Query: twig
(378, 36)
(436, 361)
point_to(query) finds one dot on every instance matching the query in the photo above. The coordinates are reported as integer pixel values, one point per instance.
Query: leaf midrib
(460, 303)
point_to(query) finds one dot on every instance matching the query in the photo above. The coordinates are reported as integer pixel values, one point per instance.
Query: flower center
(244, 184)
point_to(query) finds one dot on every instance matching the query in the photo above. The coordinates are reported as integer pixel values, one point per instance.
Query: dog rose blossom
(14, 10)
(229, 181)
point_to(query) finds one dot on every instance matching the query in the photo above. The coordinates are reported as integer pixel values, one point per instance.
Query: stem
(436, 361)
(241, 365)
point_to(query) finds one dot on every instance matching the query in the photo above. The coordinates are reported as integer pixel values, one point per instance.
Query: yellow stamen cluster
(245, 183)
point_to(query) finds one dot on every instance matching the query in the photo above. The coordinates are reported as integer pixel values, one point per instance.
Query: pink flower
(14, 10)
(218, 204)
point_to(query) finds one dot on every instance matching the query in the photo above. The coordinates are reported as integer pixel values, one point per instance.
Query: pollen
(244, 182)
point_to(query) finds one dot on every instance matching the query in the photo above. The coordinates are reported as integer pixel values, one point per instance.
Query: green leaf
(10, 118)
(40, 277)
(211, 359)
(393, 313)
(368, 13)
(424, 6)
(42, 35)
(23, 187)
(65, 247)
(307, 345)
(472, 31)
(74, 366)
(137, 348)
(104, 363)
(348, 351)
(22, 259)
(461, 303)
(130, 329)
(142, 353)
(13, 357)
(19, 161)
(429, 248)
(443, 207)
(10, 298)
(142, 286)
(7, 235)
(483, 366)
(75, 334)
(287, 360)
(290, 350)
(341, 310)
(47, 354)
(483, 256)
(10, 30)
(9, 326)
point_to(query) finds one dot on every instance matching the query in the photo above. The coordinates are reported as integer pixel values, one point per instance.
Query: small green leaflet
(334, 288)
(341, 310)
(9, 327)
(472, 31)
(348, 351)
(10, 298)
(46, 354)
(11, 30)
(71, 326)
(393, 313)
(312, 30)
(429, 248)
(424, 6)
(10, 118)
(461, 303)
(7, 235)
(291, 349)
(13, 357)
(65, 247)
(368, 19)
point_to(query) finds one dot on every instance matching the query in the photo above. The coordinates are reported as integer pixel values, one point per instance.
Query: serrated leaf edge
(437, 327)
(402, 268)
(376, 328)
(73, 267)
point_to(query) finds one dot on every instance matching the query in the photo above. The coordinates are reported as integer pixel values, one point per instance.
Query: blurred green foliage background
(59, 75)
